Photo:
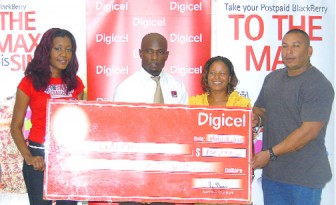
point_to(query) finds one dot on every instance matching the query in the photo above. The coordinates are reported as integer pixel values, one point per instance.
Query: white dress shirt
(140, 88)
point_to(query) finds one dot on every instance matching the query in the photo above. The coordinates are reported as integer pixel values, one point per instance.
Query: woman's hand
(256, 120)
(36, 161)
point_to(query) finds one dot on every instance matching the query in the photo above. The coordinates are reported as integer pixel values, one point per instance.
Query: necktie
(158, 97)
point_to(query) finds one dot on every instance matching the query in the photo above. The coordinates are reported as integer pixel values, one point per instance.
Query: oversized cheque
(100, 151)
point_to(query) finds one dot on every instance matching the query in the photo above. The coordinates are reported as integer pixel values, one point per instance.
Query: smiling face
(296, 53)
(60, 55)
(153, 53)
(218, 76)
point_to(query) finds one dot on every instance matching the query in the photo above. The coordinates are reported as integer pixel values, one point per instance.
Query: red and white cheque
(102, 151)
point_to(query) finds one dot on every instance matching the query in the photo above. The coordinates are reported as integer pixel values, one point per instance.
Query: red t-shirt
(38, 103)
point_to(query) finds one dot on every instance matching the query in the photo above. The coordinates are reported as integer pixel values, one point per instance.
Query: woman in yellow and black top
(218, 83)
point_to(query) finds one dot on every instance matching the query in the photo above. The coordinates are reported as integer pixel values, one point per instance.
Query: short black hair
(305, 35)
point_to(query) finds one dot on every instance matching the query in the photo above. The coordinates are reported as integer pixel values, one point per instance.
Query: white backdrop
(260, 28)
(229, 39)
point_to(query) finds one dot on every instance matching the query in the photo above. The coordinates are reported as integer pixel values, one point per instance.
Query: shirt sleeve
(80, 86)
(260, 99)
(317, 102)
(26, 86)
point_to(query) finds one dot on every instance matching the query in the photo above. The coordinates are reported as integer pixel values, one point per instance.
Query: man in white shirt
(140, 87)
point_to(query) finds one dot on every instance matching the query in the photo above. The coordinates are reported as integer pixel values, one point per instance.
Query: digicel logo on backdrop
(174, 5)
(109, 7)
(183, 7)
(19, 42)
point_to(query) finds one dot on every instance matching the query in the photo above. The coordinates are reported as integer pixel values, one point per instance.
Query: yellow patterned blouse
(235, 100)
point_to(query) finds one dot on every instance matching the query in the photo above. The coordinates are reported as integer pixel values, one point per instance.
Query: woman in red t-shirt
(51, 74)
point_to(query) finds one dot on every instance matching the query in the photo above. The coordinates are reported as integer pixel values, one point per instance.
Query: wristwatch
(273, 157)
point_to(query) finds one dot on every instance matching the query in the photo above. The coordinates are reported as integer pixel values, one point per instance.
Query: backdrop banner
(125, 152)
(249, 33)
(115, 29)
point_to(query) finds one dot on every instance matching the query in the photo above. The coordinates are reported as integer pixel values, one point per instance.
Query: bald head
(154, 37)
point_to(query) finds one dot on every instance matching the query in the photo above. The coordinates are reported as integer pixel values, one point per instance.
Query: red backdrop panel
(115, 29)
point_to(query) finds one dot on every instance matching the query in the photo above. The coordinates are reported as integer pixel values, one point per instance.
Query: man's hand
(260, 160)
